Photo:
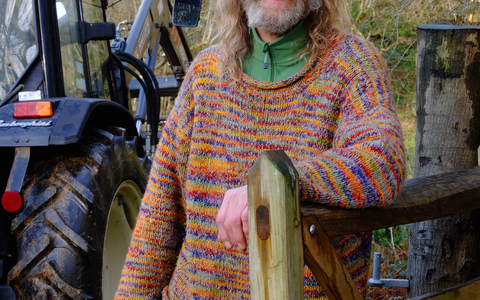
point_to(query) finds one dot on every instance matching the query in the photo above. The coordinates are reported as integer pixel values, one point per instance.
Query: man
(282, 77)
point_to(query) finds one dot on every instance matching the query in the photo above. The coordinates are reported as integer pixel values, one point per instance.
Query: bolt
(121, 201)
(27, 140)
(16, 141)
(296, 222)
(312, 229)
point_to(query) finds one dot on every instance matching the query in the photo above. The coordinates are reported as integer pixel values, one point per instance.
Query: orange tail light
(32, 109)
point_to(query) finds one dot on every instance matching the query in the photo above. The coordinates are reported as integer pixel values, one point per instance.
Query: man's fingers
(237, 236)
(224, 215)
(230, 221)
(222, 232)
(233, 226)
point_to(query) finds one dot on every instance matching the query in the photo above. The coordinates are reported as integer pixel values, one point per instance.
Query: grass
(407, 116)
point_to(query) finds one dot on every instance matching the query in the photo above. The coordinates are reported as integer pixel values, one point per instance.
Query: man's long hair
(323, 25)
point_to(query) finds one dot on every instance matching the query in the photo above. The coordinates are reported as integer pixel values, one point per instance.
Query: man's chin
(274, 16)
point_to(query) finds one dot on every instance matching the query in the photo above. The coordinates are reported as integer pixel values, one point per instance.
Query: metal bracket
(19, 168)
(96, 31)
(376, 281)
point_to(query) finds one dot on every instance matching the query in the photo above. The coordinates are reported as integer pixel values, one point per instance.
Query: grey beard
(279, 23)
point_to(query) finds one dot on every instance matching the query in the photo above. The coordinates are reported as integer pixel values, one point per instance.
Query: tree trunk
(446, 252)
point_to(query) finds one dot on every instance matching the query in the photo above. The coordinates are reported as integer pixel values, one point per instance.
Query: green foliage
(391, 26)
(398, 235)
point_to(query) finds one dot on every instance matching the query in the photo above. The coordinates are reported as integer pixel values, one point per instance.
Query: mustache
(279, 18)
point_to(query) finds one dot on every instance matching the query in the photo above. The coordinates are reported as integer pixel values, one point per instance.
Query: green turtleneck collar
(277, 60)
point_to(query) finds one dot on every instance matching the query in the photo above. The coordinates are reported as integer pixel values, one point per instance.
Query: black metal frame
(52, 58)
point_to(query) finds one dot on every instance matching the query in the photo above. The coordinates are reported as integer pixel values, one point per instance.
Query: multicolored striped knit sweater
(335, 119)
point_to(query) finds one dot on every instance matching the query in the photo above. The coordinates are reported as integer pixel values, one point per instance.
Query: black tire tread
(54, 219)
(72, 292)
(74, 185)
(40, 246)
(32, 209)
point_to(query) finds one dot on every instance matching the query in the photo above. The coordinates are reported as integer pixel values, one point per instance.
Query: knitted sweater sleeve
(366, 165)
(160, 229)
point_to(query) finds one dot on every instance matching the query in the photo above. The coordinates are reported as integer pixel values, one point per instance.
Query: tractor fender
(66, 125)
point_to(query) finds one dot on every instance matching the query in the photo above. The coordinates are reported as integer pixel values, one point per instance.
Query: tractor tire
(81, 206)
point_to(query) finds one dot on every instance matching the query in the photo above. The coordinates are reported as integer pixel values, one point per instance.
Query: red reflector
(32, 109)
(12, 201)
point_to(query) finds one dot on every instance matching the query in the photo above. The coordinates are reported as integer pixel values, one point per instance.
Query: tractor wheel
(81, 207)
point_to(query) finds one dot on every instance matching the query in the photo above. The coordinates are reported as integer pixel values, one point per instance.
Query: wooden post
(275, 233)
(445, 252)
(325, 264)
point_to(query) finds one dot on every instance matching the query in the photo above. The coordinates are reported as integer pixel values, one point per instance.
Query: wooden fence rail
(275, 238)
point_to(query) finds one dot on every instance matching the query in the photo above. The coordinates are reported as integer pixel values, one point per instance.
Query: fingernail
(228, 245)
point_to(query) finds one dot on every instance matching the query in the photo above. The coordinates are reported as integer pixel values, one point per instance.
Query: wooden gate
(277, 255)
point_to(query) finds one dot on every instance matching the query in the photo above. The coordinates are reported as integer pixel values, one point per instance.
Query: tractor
(79, 123)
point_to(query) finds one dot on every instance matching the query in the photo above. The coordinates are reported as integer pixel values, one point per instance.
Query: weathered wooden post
(275, 232)
(446, 252)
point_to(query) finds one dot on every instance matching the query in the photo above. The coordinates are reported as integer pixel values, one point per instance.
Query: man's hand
(232, 219)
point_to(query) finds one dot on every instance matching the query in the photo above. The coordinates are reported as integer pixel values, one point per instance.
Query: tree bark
(446, 252)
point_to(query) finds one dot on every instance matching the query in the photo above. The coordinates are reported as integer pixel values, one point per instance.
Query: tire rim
(121, 222)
